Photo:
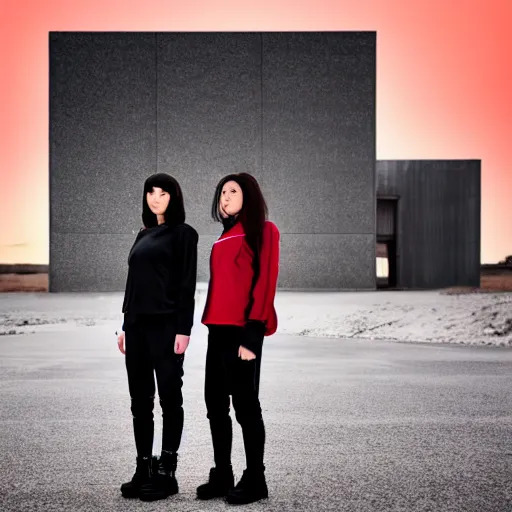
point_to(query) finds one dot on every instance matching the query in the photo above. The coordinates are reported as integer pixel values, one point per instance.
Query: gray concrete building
(296, 110)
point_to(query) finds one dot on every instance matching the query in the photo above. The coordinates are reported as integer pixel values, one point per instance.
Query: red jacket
(231, 276)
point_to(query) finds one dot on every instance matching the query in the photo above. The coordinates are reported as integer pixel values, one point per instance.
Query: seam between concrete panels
(156, 102)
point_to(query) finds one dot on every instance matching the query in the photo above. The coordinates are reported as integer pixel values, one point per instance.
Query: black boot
(220, 482)
(143, 471)
(251, 487)
(163, 483)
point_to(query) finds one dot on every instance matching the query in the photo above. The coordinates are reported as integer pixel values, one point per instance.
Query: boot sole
(129, 496)
(216, 492)
(155, 496)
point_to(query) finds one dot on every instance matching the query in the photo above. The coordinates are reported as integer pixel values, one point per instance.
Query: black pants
(149, 345)
(227, 374)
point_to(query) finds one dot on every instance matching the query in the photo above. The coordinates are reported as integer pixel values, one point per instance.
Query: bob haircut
(175, 213)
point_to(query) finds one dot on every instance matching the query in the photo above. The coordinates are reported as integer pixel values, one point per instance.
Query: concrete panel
(312, 261)
(319, 131)
(209, 113)
(204, 247)
(92, 262)
(84, 262)
(327, 261)
(102, 130)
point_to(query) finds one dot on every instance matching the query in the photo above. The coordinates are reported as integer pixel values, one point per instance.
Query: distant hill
(24, 268)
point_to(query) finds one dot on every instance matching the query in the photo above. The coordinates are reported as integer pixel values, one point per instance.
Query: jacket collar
(237, 229)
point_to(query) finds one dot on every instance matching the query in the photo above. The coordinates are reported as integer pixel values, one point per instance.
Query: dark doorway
(386, 242)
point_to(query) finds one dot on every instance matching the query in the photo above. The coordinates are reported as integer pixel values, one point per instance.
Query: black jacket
(162, 271)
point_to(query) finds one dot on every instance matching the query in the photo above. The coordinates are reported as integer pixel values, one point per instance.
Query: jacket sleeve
(187, 261)
(139, 234)
(266, 284)
(254, 333)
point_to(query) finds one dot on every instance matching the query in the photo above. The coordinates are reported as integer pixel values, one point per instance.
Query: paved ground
(352, 425)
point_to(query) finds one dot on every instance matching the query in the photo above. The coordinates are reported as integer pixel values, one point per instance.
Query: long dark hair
(175, 213)
(253, 214)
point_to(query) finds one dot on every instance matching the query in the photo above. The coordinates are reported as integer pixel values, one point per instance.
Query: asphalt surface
(352, 425)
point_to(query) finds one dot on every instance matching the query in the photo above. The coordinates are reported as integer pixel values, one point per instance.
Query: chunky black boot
(143, 471)
(251, 487)
(163, 482)
(220, 482)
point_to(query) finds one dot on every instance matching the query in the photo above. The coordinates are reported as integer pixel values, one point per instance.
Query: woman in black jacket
(158, 312)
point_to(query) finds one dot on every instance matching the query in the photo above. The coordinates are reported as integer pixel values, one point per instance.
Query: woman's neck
(229, 221)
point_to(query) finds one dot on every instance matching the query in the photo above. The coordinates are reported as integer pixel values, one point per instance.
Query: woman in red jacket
(239, 312)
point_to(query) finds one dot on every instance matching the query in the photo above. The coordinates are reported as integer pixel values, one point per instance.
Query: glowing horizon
(443, 79)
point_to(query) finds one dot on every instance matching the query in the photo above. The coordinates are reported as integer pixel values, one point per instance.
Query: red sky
(444, 76)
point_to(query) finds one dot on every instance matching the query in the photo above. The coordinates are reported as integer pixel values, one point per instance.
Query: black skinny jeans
(227, 374)
(149, 346)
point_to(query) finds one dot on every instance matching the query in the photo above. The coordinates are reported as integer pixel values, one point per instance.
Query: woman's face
(231, 199)
(158, 200)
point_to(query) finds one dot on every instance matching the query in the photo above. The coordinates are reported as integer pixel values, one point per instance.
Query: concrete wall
(438, 220)
(102, 145)
(297, 110)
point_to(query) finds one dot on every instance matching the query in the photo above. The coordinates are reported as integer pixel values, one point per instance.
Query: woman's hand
(120, 342)
(245, 354)
(181, 343)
